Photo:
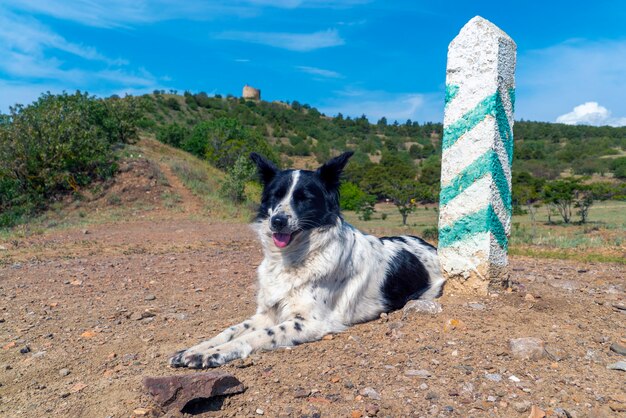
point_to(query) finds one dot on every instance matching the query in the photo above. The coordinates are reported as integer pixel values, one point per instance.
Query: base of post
(481, 281)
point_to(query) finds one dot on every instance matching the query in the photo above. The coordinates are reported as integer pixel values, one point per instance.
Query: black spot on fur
(296, 342)
(273, 342)
(253, 328)
(406, 279)
(297, 326)
(282, 328)
(300, 317)
(215, 356)
(393, 239)
(246, 326)
(230, 338)
(269, 332)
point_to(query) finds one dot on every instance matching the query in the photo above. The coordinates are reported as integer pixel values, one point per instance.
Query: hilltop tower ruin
(250, 93)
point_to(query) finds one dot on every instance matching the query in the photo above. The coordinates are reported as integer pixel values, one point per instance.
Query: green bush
(221, 141)
(351, 197)
(57, 145)
(173, 134)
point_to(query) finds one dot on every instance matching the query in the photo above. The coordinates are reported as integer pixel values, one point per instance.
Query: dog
(320, 274)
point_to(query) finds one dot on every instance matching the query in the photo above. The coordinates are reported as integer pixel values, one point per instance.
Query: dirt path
(189, 203)
(77, 302)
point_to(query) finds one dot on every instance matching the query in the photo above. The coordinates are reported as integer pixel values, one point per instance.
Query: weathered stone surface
(421, 307)
(477, 152)
(527, 348)
(177, 391)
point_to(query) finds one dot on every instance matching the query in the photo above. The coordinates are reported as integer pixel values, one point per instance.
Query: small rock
(86, 231)
(78, 387)
(423, 386)
(141, 411)
(301, 393)
(522, 406)
(25, 350)
(453, 324)
(529, 297)
(431, 396)
(536, 412)
(424, 374)
(149, 297)
(568, 285)
(356, 414)
(617, 407)
(618, 348)
(491, 398)
(620, 365)
(494, 377)
(421, 307)
(372, 410)
(477, 306)
(555, 353)
(179, 390)
(527, 348)
(514, 378)
(259, 411)
(593, 355)
(64, 372)
(370, 393)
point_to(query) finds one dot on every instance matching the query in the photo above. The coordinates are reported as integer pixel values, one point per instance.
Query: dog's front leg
(191, 356)
(289, 333)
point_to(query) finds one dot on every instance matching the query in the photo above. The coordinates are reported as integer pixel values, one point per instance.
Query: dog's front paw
(194, 360)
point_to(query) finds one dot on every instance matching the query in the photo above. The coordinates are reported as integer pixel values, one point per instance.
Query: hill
(545, 150)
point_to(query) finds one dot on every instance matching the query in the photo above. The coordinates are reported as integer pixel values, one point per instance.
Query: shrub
(172, 103)
(173, 134)
(56, 145)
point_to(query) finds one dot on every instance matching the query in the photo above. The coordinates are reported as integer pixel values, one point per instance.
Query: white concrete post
(475, 199)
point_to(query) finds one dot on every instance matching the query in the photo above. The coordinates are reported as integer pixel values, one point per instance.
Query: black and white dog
(320, 275)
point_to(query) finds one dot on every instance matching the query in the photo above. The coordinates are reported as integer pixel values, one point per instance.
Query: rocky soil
(87, 312)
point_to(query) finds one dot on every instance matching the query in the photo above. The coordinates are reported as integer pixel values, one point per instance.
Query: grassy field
(602, 238)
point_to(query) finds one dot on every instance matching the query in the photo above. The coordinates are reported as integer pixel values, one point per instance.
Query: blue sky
(355, 56)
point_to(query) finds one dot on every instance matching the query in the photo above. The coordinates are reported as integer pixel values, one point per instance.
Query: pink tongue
(281, 240)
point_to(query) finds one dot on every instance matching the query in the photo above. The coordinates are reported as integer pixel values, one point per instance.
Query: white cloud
(122, 13)
(36, 59)
(319, 71)
(590, 113)
(553, 80)
(300, 42)
(394, 106)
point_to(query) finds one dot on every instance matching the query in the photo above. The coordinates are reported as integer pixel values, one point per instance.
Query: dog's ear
(267, 170)
(331, 171)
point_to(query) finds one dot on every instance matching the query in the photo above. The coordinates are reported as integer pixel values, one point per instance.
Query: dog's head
(295, 201)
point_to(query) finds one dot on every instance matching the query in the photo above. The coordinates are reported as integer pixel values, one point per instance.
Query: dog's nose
(278, 222)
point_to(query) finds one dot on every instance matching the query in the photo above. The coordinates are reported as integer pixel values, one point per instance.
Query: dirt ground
(102, 306)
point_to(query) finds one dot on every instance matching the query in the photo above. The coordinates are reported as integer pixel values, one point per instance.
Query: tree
(567, 193)
(122, 116)
(584, 200)
(234, 185)
(221, 141)
(406, 195)
(56, 145)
